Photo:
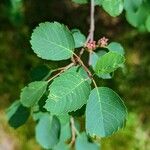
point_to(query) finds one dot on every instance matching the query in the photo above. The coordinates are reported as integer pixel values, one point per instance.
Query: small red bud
(91, 45)
(103, 42)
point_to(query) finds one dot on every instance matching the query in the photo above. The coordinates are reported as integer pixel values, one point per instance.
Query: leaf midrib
(100, 108)
(62, 96)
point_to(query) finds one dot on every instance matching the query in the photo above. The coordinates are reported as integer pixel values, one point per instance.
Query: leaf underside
(105, 112)
(47, 131)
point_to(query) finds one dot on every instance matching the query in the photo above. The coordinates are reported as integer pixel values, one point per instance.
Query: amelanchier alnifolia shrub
(69, 106)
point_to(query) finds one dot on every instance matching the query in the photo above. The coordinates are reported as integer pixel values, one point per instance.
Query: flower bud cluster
(92, 45)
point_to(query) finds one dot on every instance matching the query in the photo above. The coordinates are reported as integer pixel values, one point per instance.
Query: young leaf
(68, 92)
(47, 131)
(105, 112)
(52, 41)
(79, 38)
(82, 143)
(116, 47)
(31, 94)
(17, 114)
(94, 59)
(113, 7)
(109, 63)
(95, 56)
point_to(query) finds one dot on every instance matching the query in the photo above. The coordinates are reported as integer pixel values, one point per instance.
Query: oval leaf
(109, 63)
(52, 41)
(47, 131)
(116, 47)
(17, 114)
(31, 94)
(105, 112)
(113, 7)
(68, 92)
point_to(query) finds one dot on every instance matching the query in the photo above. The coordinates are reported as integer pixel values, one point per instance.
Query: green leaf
(94, 59)
(61, 146)
(68, 92)
(82, 143)
(113, 7)
(79, 38)
(132, 5)
(138, 18)
(52, 41)
(31, 94)
(116, 47)
(148, 23)
(83, 73)
(95, 56)
(17, 114)
(105, 112)
(109, 63)
(65, 133)
(37, 115)
(64, 119)
(47, 131)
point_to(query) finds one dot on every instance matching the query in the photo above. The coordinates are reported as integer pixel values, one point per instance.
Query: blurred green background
(17, 20)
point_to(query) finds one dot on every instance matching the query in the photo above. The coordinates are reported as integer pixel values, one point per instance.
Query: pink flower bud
(103, 42)
(91, 45)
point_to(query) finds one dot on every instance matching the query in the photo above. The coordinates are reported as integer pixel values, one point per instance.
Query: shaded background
(17, 20)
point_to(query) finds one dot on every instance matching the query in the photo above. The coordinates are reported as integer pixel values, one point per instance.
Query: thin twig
(92, 24)
(74, 131)
(64, 69)
(90, 37)
(92, 27)
(58, 69)
(81, 52)
(94, 83)
(86, 69)
(83, 65)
